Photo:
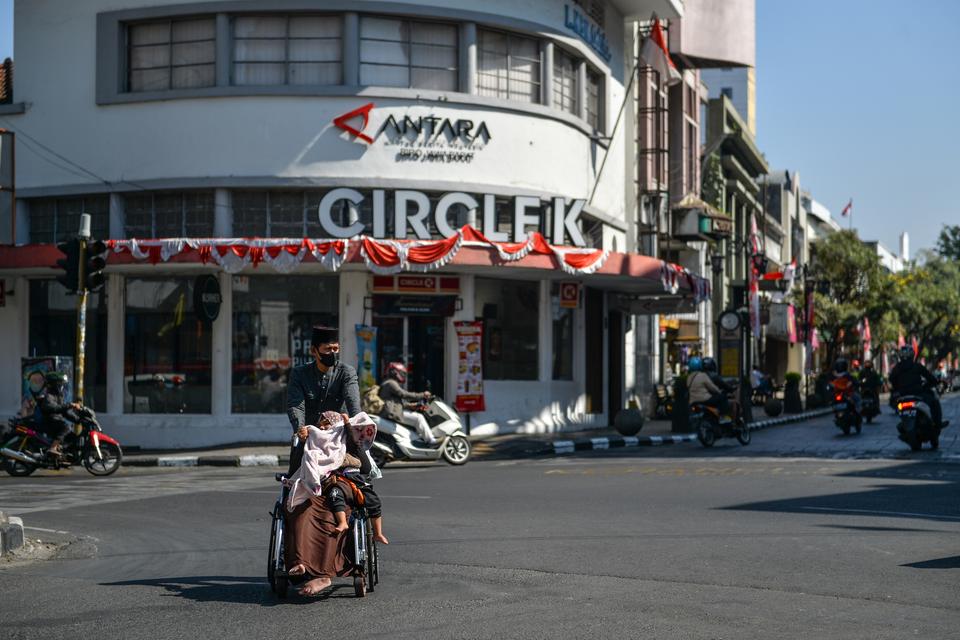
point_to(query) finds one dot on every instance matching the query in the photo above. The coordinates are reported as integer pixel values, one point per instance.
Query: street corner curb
(798, 417)
(250, 460)
(560, 447)
(11, 534)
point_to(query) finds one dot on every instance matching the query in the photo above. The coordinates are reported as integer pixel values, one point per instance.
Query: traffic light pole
(81, 320)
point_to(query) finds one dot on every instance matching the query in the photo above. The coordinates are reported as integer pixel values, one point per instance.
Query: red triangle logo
(361, 112)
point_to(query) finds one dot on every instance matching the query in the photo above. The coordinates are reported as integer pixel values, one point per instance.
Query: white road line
(410, 497)
(45, 530)
(884, 513)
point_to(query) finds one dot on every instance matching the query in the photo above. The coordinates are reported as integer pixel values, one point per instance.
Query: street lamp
(716, 263)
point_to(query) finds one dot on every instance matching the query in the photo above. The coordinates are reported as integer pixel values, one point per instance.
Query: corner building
(319, 162)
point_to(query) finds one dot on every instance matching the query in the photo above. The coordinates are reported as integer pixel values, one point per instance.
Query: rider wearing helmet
(702, 389)
(55, 414)
(394, 396)
(910, 378)
(871, 381)
(843, 382)
(711, 369)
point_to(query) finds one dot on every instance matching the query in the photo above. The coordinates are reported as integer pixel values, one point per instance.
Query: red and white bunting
(672, 274)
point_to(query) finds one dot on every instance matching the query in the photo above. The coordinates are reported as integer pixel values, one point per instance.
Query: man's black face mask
(328, 359)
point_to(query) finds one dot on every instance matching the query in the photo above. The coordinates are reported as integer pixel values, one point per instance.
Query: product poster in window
(367, 355)
(470, 366)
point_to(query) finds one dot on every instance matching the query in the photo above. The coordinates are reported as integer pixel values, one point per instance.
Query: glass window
(595, 99)
(53, 332)
(564, 81)
(562, 336)
(287, 50)
(167, 348)
(401, 53)
(58, 219)
(272, 318)
(172, 54)
(508, 66)
(510, 310)
(169, 214)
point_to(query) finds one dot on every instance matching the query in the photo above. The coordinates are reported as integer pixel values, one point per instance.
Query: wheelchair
(365, 572)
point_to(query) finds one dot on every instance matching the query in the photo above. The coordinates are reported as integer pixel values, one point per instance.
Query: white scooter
(396, 441)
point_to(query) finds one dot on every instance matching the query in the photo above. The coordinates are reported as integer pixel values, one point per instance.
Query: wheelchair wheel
(275, 561)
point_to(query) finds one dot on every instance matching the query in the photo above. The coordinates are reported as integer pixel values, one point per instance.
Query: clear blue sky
(860, 97)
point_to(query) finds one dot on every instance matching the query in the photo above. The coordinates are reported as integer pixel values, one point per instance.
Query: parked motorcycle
(845, 414)
(86, 444)
(710, 425)
(916, 425)
(396, 441)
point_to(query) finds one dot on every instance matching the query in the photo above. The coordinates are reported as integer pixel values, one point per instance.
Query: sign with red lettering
(470, 366)
(420, 284)
(570, 295)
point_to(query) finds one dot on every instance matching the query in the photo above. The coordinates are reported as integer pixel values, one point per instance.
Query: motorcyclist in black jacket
(711, 369)
(871, 381)
(56, 415)
(910, 378)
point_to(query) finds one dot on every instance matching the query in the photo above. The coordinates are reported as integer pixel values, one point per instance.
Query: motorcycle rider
(702, 389)
(871, 381)
(910, 378)
(845, 383)
(55, 414)
(710, 368)
(394, 395)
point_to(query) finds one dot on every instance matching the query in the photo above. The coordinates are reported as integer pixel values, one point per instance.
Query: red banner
(470, 371)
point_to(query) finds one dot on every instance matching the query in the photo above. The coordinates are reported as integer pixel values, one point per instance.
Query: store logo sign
(588, 30)
(343, 122)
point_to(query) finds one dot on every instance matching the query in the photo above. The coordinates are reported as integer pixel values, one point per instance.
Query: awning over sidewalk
(467, 250)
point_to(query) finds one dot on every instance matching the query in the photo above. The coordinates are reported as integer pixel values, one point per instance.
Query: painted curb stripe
(177, 461)
(258, 461)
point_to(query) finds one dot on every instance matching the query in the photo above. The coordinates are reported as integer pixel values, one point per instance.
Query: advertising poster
(32, 372)
(470, 368)
(366, 356)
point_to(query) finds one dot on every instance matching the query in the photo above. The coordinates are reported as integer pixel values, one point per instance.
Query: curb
(11, 533)
(560, 447)
(253, 460)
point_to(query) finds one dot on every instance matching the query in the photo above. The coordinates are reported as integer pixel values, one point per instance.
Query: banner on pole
(470, 366)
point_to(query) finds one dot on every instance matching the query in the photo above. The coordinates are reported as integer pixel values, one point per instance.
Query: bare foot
(315, 586)
(298, 570)
(382, 539)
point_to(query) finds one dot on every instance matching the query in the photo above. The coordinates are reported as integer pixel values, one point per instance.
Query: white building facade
(209, 140)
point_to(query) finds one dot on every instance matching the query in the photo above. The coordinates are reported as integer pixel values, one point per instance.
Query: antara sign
(421, 138)
(413, 212)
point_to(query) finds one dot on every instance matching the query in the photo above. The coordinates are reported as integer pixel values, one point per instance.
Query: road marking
(884, 513)
(46, 530)
(177, 461)
(410, 497)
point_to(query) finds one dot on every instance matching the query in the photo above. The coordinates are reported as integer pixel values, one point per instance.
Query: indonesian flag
(867, 339)
(654, 53)
(847, 209)
(754, 280)
(915, 345)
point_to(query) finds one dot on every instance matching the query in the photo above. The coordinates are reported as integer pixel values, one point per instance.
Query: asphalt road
(588, 546)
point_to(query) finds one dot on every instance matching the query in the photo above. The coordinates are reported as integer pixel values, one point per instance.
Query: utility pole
(83, 236)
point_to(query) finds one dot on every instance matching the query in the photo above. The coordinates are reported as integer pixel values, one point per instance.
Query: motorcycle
(870, 406)
(710, 425)
(916, 425)
(845, 414)
(86, 444)
(397, 441)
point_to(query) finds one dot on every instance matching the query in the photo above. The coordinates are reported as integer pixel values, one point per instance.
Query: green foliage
(926, 299)
(948, 244)
(792, 376)
(852, 283)
(712, 188)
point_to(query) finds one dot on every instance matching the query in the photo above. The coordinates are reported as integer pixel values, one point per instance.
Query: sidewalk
(503, 447)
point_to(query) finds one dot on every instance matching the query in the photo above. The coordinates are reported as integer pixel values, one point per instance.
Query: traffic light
(70, 263)
(96, 261)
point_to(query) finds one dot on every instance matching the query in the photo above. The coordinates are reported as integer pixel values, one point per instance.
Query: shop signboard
(367, 356)
(414, 305)
(207, 298)
(470, 366)
(569, 295)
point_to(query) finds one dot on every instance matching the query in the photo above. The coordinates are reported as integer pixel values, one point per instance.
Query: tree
(927, 301)
(712, 188)
(852, 284)
(948, 244)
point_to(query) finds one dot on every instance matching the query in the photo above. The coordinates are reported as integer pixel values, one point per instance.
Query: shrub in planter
(680, 420)
(792, 402)
(773, 407)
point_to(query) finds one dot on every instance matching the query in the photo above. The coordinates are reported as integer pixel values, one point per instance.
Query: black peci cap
(323, 335)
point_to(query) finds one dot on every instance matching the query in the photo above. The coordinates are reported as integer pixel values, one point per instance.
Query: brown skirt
(310, 540)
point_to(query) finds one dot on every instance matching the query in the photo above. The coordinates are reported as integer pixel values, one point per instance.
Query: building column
(224, 53)
(546, 72)
(221, 366)
(351, 49)
(222, 213)
(466, 313)
(581, 90)
(468, 58)
(117, 216)
(353, 290)
(116, 340)
(545, 346)
(22, 220)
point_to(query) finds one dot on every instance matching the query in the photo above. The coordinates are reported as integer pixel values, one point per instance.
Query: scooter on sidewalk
(397, 441)
(86, 444)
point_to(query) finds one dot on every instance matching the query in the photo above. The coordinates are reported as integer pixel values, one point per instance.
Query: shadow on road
(953, 562)
(235, 589)
(933, 496)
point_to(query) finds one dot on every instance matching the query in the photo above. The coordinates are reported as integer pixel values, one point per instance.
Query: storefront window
(510, 310)
(167, 350)
(58, 219)
(176, 54)
(562, 337)
(169, 214)
(53, 332)
(272, 319)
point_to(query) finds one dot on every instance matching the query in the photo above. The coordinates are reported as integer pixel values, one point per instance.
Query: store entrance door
(418, 342)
